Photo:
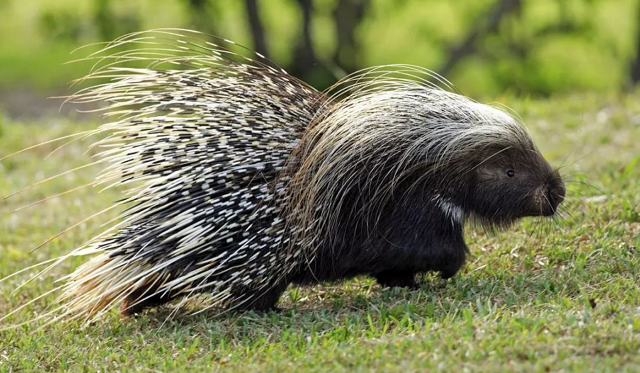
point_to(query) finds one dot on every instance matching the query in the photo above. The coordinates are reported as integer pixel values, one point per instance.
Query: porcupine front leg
(447, 269)
(445, 253)
(421, 234)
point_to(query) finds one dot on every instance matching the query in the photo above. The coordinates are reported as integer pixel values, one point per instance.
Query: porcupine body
(245, 180)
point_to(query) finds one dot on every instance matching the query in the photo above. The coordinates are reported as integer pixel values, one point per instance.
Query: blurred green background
(485, 47)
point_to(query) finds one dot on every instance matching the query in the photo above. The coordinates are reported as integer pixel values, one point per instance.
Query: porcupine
(246, 179)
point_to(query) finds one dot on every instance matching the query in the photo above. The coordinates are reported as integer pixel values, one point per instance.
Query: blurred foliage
(537, 47)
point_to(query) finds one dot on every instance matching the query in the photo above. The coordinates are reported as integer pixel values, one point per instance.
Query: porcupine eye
(511, 173)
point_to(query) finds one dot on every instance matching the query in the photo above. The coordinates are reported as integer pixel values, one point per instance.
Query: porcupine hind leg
(141, 299)
(262, 300)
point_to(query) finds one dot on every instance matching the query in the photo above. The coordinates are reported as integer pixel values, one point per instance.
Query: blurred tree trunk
(111, 25)
(304, 54)
(257, 29)
(635, 65)
(104, 20)
(348, 14)
(484, 26)
(305, 62)
(201, 19)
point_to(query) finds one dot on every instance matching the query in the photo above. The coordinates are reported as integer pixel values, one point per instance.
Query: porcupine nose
(555, 192)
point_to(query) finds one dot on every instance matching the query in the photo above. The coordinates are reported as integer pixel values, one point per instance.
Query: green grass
(538, 297)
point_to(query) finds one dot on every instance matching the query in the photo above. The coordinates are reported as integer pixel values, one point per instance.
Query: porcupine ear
(120, 81)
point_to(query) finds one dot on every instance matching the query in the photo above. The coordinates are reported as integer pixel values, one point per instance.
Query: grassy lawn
(541, 296)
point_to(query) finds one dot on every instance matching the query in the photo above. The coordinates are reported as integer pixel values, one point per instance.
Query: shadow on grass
(359, 306)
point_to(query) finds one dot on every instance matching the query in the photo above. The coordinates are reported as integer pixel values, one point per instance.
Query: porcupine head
(412, 165)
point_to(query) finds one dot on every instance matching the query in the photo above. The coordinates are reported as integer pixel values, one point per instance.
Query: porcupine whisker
(563, 212)
(578, 199)
(589, 185)
(548, 202)
(574, 202)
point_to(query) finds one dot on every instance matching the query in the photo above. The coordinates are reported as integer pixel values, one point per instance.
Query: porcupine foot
(447, 274)
(452, 267)
(397, 279)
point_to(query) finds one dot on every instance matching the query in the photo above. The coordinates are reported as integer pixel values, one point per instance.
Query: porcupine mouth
(547, 199)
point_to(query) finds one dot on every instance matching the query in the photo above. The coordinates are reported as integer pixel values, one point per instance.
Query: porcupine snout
(553, 192)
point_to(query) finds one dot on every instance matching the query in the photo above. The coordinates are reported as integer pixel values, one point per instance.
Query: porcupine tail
(198, 139)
